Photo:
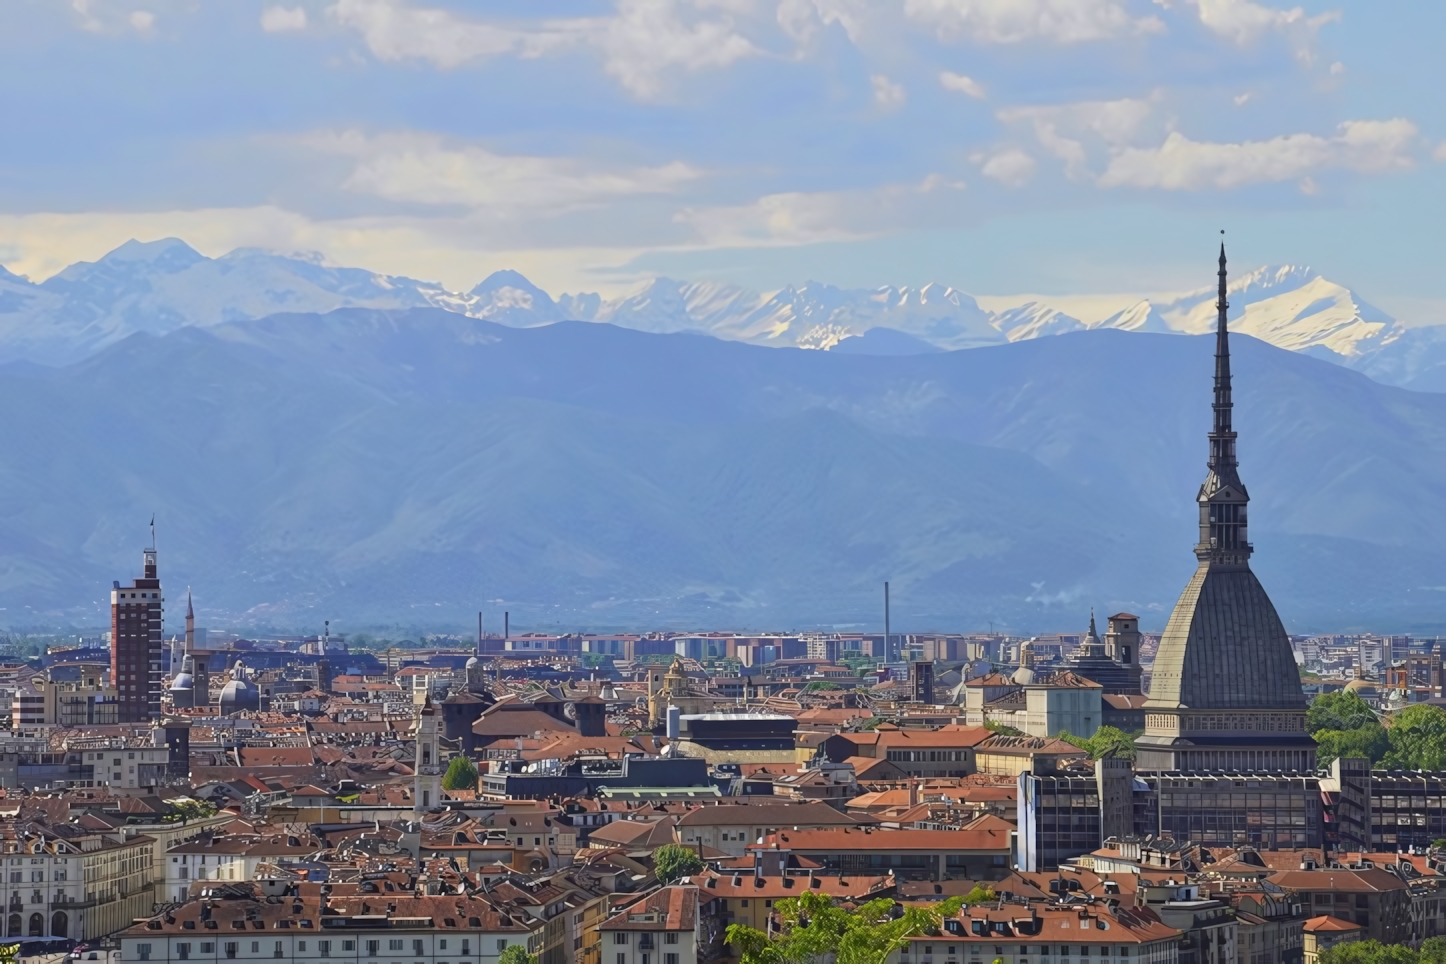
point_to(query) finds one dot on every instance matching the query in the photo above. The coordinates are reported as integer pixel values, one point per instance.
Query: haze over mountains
(416, 464)
(163, 285)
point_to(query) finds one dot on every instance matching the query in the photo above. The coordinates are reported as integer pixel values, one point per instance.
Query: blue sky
(1003, 146)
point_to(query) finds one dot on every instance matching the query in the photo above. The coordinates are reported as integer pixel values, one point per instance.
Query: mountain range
(418, 465)
(160, 286)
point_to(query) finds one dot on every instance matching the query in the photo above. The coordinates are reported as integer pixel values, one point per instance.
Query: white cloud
(1013, 21)
(1062, 129)
(283, 19)
(425, 169)
(640, 41)
(1439, 154)
(1337, 69)
(961, 84)
(800, 217)
(142, 20)
(801, 20)
(647, 37)
(394, 30)
(1011, 167)
(1241, 100)
(1244, 22)
(88, 20)
(887, 94)
(1180, 164)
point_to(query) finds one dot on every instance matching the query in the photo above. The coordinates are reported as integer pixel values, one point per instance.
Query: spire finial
(1092, 622)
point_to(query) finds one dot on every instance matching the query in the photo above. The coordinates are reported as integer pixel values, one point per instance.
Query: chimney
(914, 791)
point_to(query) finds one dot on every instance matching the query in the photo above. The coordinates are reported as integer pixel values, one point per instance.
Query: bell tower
(427, 783)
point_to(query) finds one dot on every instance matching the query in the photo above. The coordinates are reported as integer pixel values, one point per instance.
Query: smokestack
(479, 634)
(888, 640)
(506, 628)
(675, 722)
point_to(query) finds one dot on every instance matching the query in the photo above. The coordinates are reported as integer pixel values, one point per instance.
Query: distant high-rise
(1225, 692)
(135, 644)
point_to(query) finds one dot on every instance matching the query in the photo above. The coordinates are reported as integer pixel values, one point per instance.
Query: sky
(1091, 148)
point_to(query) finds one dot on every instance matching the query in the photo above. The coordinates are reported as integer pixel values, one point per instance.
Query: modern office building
(136, 611)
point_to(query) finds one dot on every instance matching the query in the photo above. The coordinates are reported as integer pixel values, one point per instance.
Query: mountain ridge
(414, 465)
(162, 285)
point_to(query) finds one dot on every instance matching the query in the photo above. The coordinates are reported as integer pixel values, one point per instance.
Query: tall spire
(190, 623)
(1223, 497)
(1222, 438)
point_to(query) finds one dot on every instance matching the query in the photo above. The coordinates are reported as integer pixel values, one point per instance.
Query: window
(619, 937)
(502, 944)
(372, 947)
(670, 959)
(671, 937)
(324, 947)
(622, 959)
(230, 948)
(144, 951)
(442, 944)
(255, 947)
(394, 944)
(466, 945)
(417, 947)
(301, 946)
(745, 902)
(183, 951)
(207, 947)
(351, 945)
(277, 951)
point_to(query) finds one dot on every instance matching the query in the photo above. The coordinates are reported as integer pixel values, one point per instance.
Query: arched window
(37, 925)
(12, 928)
(59, 924)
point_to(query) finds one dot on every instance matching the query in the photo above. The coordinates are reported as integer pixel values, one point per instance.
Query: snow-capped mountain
(1035, 320)
(1141, 316)
(162, 285)
(1291, 307)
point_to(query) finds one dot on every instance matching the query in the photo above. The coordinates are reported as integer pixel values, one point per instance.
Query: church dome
(183, 681)
(473, 662)
(240, 693)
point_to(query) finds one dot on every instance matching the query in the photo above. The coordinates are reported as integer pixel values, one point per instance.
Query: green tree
(187, 809)
(813, 929)
(672, 861)
(979, 895)
(1370, 952)
(1002, 729)
(1418, 739)
(1338, 711)
(1369, 741)
(516, 954)
(1107, 740)
(461, 774)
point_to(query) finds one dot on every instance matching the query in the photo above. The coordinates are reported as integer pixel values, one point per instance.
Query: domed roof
(1024, 676)
(1360, 685)
(183, 681)
(238, 695)
(474, 661)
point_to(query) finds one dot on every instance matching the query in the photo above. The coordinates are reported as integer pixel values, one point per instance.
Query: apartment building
(69, 881)
(669, 926)
(233, 923)
(1021, 931)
